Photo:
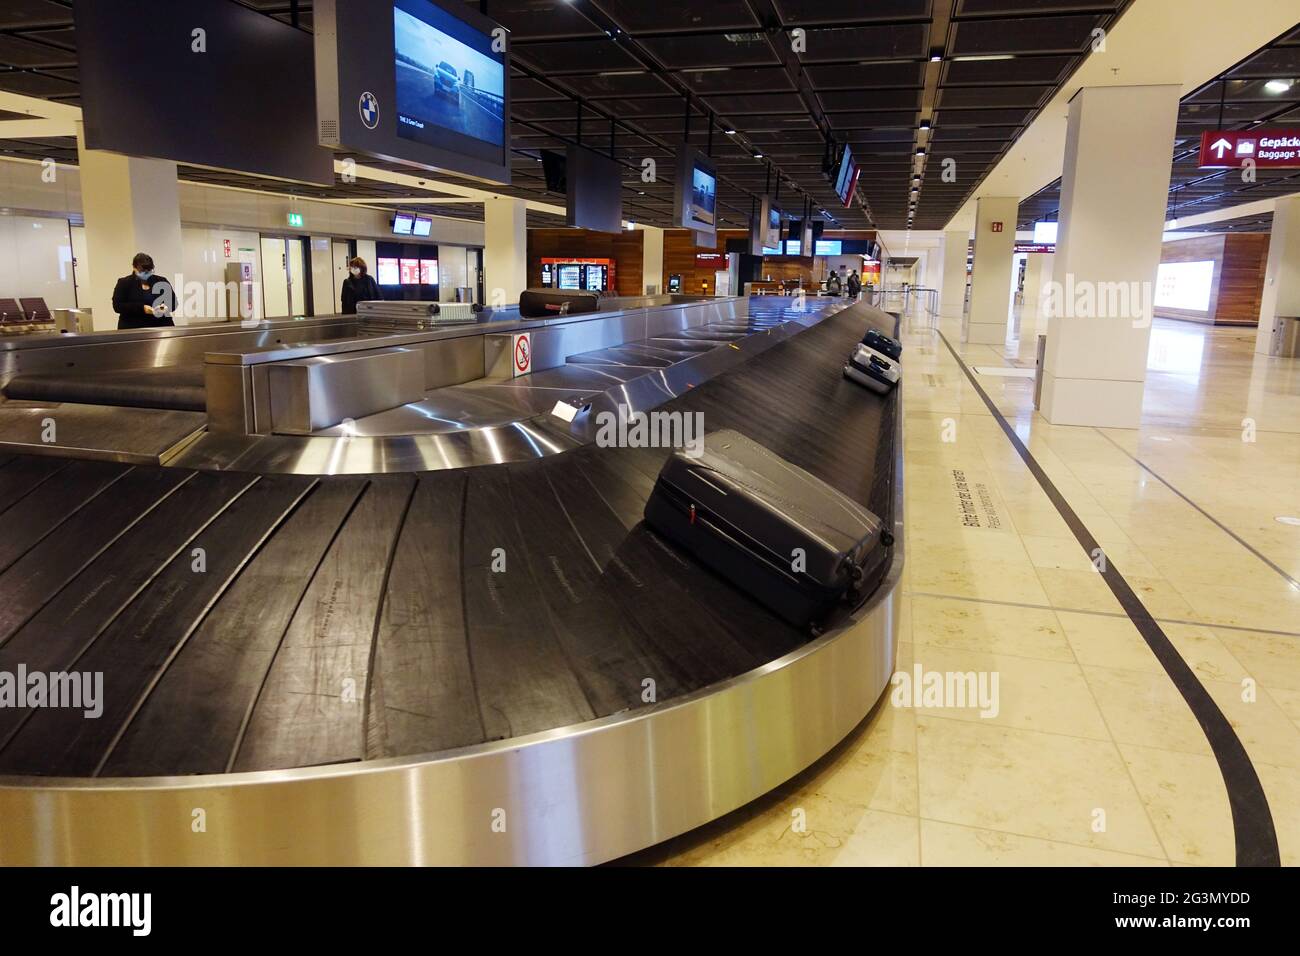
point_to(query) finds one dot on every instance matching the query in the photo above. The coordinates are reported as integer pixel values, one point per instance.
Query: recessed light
(920, 152)
(983, 59)
(1288, 519)
(758, 155)
(1279, 86)
(925, 127)
(730, 132)
(936, 58)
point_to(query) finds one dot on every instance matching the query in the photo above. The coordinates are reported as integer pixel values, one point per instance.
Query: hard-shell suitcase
(890, 348)
(782, 535)
(543, 303)
(871, 369)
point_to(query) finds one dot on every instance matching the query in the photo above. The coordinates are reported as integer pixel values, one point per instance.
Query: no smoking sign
(523, 353)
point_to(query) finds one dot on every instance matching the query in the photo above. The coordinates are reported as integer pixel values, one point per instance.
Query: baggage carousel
(488, 661)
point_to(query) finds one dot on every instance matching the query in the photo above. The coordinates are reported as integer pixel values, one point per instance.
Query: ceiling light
(925, 126)
(982, 59)
(920, 152)
(708, 69)
(621, 73)
(936, 58)
(758, 155)
(730, 132)
(1279, 86)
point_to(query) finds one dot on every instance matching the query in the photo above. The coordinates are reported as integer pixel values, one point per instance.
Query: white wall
(36, 260)
(453, 271)
(203, 260)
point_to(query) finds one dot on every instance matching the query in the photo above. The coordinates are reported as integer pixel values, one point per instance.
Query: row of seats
(31, 311)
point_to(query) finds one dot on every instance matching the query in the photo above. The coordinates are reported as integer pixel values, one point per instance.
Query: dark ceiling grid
(867, 78)
(1238, 97)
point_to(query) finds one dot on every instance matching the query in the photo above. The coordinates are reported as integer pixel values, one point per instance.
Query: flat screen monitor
(696, 192)
(1045, 232)
(792, 247)
(414, 81)
(428, 272)
(388, 273)
(423, 226)
(570, 277)
(846, 179)
(593, 191)
(556, 172)
(828, 247)
(403, 224)
(410, 271)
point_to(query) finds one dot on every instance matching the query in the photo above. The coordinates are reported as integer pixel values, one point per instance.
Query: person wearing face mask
(143, 300)
(359, 286)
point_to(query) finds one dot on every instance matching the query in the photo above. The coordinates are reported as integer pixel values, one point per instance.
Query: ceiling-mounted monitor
(765, 231)
(415, 81)
(594, 191)
(403, 224)
(695, 193)
(423, 227)
(555, 169)
(846, 179)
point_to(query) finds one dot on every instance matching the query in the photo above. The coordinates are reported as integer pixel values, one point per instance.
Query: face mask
(355, 271)
(143, 275)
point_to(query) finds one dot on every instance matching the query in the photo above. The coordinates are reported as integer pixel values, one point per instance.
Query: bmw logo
(369, 108)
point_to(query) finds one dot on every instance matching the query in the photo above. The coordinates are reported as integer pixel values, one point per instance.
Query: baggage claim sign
(1266, 148)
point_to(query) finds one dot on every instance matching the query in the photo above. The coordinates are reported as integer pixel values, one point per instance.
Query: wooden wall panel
(625, 248)
(680, 254)
(1240, 261)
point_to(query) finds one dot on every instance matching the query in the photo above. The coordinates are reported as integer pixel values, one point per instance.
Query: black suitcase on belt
(543, 303)
(890, 348)
(743, 511)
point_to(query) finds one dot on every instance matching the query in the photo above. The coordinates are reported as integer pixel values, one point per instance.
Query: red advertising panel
(1266, 148)
(428, 272)
(410, 272)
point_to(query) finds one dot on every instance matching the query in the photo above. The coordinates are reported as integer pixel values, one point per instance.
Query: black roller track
(348, 618)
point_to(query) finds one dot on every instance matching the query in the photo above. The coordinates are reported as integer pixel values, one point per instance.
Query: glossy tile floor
(1093, 756)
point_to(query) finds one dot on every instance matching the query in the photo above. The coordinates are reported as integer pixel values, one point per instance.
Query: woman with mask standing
(143, 300)
(359, 286)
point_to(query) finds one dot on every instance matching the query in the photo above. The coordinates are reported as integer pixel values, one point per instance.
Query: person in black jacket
(143, 300)
(854, 285)
(360, 286)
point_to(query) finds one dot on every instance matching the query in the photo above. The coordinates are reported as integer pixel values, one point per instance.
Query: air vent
(329, 132)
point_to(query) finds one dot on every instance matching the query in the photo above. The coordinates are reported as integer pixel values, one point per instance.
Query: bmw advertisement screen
(448, 77)
(704, 188)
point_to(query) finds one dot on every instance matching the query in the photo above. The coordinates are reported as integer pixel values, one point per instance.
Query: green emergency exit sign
(295, 220)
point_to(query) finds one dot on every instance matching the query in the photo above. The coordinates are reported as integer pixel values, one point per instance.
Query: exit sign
(997, 227)
(295, 220)
(1266, 148)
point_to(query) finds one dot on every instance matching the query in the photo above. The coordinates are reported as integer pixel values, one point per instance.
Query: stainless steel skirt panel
(576, 796)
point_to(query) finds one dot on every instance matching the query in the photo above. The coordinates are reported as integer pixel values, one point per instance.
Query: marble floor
(1093, 757)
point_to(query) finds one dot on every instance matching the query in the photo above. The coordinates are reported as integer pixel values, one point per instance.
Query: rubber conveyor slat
(346, 618)
(171, 386)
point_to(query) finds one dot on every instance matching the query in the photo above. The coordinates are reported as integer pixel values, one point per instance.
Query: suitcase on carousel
(544, 303)
(776, 532)
(889, 348)
(872, 370)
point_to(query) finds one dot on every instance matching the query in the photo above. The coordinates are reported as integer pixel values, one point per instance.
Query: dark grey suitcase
(543, 303)
(890, 348)
(782, 535)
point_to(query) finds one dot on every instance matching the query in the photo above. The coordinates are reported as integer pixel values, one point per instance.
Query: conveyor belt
(247, 622)
(177, 387)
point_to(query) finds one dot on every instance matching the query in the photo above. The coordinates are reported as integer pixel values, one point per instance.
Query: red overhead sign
(1266, 148)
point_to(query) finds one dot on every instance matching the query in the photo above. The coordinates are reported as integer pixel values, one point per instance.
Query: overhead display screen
(1185, 285)
(423, 226)
(448, 78)
(847, 178)
(593, 191)
(696, 193)
(414, 81)
(828, 247)
(403, 223)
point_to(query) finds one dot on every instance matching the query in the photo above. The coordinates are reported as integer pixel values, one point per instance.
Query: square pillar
(130, 205)
(505, 250)
(1114, 194)
(1282, 275)
(652, 260)
(952, 301)
(990, 292)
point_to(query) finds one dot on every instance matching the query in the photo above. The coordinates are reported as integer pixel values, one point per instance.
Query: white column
(1282, 277)
(505, 250)
(990, 292)
(1114, 193)
(952, 302)
(1038, 273)
(131, 205)
(652, 260)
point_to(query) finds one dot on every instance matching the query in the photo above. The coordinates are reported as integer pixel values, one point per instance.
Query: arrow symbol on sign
(1221, 147)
